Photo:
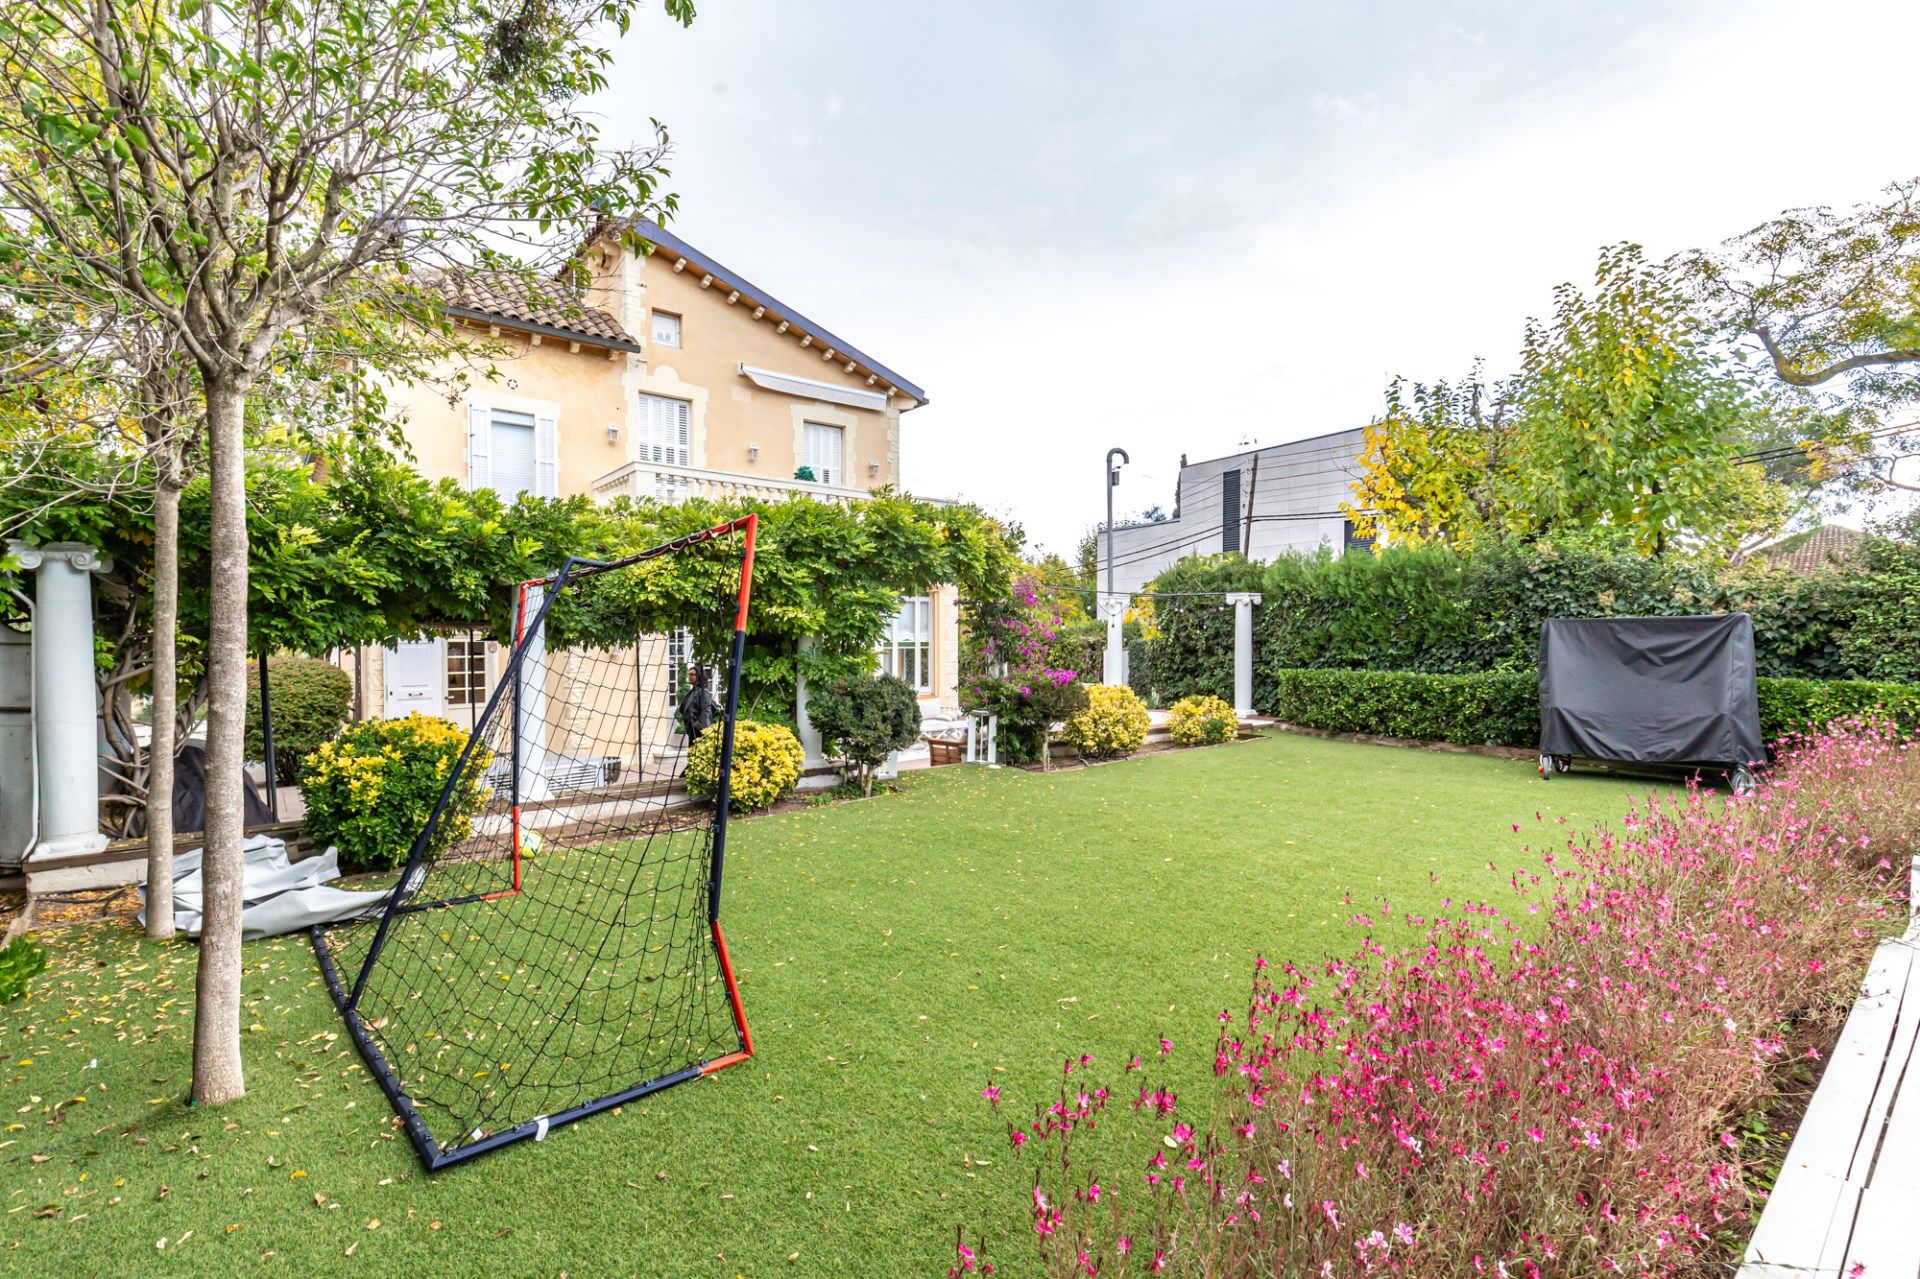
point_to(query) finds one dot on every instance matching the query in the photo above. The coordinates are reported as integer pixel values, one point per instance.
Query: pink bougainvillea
(1548, 1088)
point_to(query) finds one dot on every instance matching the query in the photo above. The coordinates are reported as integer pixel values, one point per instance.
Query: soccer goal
(552, 946)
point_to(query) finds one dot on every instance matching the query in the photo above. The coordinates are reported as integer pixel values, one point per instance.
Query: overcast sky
(1178, 227)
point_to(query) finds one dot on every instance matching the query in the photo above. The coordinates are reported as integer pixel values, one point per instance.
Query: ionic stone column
(66, 717)
(1243, 602)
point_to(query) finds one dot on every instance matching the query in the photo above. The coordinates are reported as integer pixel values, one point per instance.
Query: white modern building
(1262, 503)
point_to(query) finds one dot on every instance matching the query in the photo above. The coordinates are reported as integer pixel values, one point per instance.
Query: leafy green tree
(863, 721)
(1629, 423)
(240, 171)
(1633, 423)
(1431, 466)
(1832, 301)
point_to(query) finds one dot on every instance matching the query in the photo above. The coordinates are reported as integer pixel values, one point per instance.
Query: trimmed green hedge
(1794, 705)
(1433, 610)
(1502, 708)
(1498, 708)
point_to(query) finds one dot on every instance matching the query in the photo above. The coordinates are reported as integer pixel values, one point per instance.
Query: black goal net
(552, 947)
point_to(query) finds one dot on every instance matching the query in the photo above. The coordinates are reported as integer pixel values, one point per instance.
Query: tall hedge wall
(1433, 611)
(1502, 708)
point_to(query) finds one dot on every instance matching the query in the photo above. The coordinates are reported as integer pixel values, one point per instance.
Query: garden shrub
(370, 790)
(21, 961)
(1114, 723)
(1199, 721)
(1498, 708)
(1018, 662)
(1799, 705)
(863, 720)
(1438, 611)
(310, 703)
(1502, 708)
(1553, 1083)
(767, 761)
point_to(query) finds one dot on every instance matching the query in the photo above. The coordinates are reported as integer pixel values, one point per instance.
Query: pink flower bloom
(992, 1093)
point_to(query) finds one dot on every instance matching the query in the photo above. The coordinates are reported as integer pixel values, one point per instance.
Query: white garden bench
(1848, 1197)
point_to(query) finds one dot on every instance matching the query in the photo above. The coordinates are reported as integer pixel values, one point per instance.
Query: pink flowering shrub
(1019, 665)
(1547, 1089)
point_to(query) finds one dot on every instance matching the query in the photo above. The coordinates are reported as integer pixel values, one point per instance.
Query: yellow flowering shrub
(370, 790)
(767, 759)
(1199, 720)
(1114, 723)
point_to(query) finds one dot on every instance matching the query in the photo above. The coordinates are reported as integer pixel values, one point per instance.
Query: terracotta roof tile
(549, 304)
(1826, 547)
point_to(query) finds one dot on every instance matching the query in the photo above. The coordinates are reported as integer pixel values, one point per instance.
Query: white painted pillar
(66, 717)
(1243, 602)
(810, 743)
(1113, 664)
(530, 698)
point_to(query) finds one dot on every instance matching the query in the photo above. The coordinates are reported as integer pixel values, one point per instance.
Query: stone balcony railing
(665, 482)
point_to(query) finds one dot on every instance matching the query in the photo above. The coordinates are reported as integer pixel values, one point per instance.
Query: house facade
(667, 376)
(1262, 504)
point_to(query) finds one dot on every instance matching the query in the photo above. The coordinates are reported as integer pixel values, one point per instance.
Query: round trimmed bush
(310, 703)
(1114, 723)
(1202, 720)
(767, 760)
(863, 719)
(371, 789)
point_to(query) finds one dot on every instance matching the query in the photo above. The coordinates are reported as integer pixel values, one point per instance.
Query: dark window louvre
(1230, 511)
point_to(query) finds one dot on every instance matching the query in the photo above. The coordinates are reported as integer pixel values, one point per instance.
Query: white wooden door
(416, 678)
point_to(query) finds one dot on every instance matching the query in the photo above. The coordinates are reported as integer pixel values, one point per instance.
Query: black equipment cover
(1672, 690)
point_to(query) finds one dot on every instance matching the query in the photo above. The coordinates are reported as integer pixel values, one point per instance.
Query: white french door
(416, 678)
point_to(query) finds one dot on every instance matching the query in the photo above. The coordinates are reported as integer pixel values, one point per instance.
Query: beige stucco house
(668, 376)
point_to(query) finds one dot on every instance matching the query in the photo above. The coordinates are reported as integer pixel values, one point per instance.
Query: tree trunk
(160, 748)
(217, 1075)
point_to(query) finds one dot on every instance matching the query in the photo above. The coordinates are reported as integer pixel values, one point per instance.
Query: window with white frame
(679, 658)
(666, 329)
(511, 445)
(513, 451)
(821, 445)
(466, 670)
(665, 430)
(906, 650)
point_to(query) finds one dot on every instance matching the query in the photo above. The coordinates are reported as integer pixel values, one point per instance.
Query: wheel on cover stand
(1743, 781)
(1546, 767)
(1562, 763)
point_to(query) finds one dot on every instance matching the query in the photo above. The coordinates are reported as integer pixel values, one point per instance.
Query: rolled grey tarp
(281, 895)
(1671, 690)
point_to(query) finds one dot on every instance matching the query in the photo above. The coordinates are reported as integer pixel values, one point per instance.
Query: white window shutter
(546, 457)
(479, 437)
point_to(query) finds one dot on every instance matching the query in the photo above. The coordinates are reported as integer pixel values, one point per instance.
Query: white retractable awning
(809, 389)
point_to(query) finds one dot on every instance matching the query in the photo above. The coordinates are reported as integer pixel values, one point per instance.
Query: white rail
(666, 482)
(1845, 1199)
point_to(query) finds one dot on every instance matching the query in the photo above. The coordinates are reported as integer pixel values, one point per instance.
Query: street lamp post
(1113, 663)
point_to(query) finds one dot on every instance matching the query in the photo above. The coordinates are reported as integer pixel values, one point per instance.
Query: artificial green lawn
(894, 956)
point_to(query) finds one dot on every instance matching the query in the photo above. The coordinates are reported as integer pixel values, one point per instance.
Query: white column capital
(1237, 598)
(1113, 606)
(78, 556)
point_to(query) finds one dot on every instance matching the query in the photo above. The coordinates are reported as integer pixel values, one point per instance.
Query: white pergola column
(1113, 662)
(1243, 602)
(530, 701)
(66, 717)
(810, 743)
